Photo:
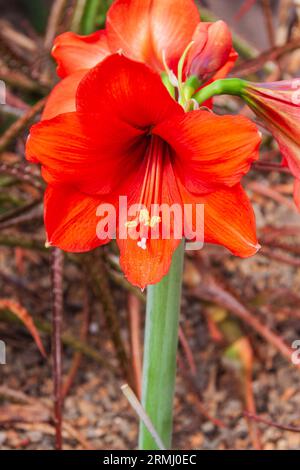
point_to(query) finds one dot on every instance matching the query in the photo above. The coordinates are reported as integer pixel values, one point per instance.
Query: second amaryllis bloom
(164, 32)
(277, 105)
(129, 137)
(211, 55)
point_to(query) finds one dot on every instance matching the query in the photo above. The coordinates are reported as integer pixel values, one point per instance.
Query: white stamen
(191, 104)
(144, 216)
(142, 243)
(171, 75)
(154, 221)
(131, 224)
(195, 104)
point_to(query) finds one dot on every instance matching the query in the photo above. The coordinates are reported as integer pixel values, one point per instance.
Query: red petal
(62, 98)
(291, 158)
(71, 220)
(211, 50)
(128, 90)
(73, 52)
(82, 150)
(224, 71)
(290, 150)
(144, 29)
(144, 267)
(228, 219)
(210, 150)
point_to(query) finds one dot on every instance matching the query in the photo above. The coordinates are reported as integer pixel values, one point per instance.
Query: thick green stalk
(161, 341)
(89, 16)
(226, 86)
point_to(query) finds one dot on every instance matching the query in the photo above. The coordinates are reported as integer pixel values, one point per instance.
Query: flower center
(147, 219)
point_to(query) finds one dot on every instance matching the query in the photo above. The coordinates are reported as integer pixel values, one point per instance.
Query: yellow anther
(144, 217)
(131, 224)
(154, 221)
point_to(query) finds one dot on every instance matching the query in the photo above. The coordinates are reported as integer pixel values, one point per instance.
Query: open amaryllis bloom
(154, 32)
(129, 138)
(277, 104)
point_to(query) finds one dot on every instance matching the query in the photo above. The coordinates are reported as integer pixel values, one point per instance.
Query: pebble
(35, 436)
(94, 433)
(282, 444)
(208, 427)
(269, 446)
(2, 437)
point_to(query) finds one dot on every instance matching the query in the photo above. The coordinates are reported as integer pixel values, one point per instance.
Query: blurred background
(236, 385)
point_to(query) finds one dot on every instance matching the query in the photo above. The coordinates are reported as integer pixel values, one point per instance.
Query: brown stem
(211, 291)
(266, 191)
(135, 328)
(193, 388)
(57, 309)
(53, 21)
(187, 351)
(271, 166)
(20, 124)
(253, 65)
(281, 257)
(97, 272)
(268, 422)
(22, 174)
(245, 7)
(269, 21)
(68, 340)
(20, 214)
(18, 79)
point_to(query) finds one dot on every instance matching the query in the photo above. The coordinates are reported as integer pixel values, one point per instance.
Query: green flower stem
(191, 85)
(227, 86)
(168, 84)
(161, 340)
(89, 16)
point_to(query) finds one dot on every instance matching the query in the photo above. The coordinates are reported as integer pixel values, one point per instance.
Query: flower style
(154, 32)
(128, 137)
(277, 105)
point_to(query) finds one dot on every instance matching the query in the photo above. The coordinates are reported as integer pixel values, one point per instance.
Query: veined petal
(83, 150)
(73, 52)
(277, 106)
(62, 98)
(224, 71)
(147, 250)
(143, 267)
(129, 90)
(211, 50)
(71, 219)
(210, 150)
(289, 149)
(228, 219)
(144, 29)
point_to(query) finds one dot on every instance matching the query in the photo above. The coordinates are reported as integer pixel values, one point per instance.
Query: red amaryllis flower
(278, 105)
(141, 29)
(212, 55)
(155, 32)
(129, 137)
